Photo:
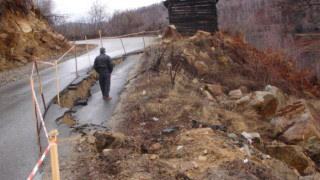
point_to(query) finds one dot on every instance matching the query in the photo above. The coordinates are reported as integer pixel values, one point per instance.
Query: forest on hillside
(289, 26)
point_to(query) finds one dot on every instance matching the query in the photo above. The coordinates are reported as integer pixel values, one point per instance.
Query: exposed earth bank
(207, 107)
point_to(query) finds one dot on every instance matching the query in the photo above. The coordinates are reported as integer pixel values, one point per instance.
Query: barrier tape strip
(35, 169)
(39, 112)
(66, 53)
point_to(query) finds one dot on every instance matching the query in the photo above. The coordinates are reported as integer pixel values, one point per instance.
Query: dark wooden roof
(192, 15)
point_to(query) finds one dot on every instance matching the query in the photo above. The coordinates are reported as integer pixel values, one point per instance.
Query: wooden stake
(40, 85)
(125, 53)
(36, 119)
(100, 38)
(88, 50)
(144, 43)
(54, 155)
(75, 58)
(57, 81)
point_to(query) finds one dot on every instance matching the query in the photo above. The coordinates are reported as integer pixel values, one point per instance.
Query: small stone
(153, 157)
(235, 94)
(205, 152)
(91, 139)
(106, 152)
(155, 147)
(79, 149)
(82, 140)
(202, 158)
(232, 136)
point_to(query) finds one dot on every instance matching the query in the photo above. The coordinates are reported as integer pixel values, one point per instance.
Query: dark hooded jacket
(103, 64)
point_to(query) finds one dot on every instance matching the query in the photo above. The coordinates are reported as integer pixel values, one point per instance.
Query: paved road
(18, 144)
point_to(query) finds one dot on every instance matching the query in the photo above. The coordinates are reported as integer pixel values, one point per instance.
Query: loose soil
(166, 89)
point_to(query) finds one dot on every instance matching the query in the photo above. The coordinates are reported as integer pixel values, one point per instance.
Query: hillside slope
(25, 36)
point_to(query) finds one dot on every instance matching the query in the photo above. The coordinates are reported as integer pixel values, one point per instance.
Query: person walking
(104, 67)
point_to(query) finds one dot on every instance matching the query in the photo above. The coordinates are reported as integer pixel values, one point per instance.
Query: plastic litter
(245, 161)
(179, 147)
(155, 119)
(247, 149)
(143, 124)
(170, 130)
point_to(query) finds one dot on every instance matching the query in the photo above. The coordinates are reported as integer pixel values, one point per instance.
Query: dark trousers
(104, 81)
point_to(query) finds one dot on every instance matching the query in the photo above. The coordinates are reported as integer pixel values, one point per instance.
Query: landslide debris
(25, 36)
(207, 107)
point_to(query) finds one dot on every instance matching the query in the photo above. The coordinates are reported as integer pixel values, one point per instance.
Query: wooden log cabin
(191, 15)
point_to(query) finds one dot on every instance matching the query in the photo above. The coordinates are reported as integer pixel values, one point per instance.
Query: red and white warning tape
(39, 112)
(43, 62)
(35, 169)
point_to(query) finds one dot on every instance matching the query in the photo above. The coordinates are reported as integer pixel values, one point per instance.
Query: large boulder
(297, 122)
(267, 102)
(293, 156)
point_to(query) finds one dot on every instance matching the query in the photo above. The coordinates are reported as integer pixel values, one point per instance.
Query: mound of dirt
(200, 108)
(25, 36)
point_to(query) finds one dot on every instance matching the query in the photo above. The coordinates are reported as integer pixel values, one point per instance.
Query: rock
(223, 59)
(171, 33)
(293, 156)
(106, 152)
(91, 139)
(25, 26)
(103, 139)
(201, 67)
(235, 94)
(296, 122)
(214, 89)
(244, 89)
(200, 35)
(202, 158)
(213, 49)
(186, 166)
(311, 146)
(204, 55)
(244, 100)
(79, 149)
(153, 157)
(209, 96)
(233, 136)
(155, 147)
(205, 152)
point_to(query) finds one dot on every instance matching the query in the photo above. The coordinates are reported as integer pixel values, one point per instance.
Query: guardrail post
(54, 155)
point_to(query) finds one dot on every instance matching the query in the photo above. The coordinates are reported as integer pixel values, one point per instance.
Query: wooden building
(191, 15)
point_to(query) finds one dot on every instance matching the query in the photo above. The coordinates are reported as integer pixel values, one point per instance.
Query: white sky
(79, 8)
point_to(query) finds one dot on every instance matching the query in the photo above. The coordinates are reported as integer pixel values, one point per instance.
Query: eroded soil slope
(25, 36)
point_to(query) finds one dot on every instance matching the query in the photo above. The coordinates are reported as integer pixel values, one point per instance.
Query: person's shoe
(107, 98)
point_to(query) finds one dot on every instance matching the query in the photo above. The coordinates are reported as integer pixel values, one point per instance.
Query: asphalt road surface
(18, 142)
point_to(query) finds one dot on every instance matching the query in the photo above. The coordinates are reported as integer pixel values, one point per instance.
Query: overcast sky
(79, 8)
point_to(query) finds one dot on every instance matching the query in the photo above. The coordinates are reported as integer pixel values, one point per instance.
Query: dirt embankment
(25, 36)
(205, 108)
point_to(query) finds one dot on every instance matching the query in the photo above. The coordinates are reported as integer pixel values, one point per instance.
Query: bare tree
(97, 15)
